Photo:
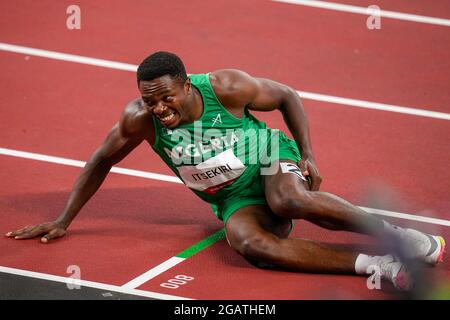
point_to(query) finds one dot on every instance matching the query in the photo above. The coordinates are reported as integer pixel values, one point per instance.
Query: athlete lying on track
(200, 126)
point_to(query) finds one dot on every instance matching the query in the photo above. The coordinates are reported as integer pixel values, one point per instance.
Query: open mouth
(167, 119)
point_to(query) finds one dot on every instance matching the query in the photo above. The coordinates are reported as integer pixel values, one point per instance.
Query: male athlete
(199, 125)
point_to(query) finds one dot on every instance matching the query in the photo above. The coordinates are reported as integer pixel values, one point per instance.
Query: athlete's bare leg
(261, 237)
(288, 196)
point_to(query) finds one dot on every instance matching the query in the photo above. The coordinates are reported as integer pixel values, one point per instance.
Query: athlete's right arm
(125, 136)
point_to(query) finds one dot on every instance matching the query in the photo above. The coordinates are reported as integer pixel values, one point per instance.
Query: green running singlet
(221, 157)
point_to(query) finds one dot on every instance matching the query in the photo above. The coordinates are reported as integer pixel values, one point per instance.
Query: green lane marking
(202, 245)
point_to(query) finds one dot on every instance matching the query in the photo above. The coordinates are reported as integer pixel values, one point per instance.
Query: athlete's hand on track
(49, 230)
(309, 170)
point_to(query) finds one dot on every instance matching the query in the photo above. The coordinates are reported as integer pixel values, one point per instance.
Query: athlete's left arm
(240, 90)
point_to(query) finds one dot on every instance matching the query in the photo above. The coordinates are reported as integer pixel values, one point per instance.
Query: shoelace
(390, 267)
(387, 267)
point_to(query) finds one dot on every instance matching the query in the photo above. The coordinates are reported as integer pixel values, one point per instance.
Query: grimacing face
(165, 97)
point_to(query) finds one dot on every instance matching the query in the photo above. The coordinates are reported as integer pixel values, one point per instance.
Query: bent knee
(257, 248)
(287, 202)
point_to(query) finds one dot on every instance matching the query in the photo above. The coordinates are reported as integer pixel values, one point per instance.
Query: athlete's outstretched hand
(48, 231)
(310, 171)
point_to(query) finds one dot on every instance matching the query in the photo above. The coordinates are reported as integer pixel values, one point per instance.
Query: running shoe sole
(438, 255)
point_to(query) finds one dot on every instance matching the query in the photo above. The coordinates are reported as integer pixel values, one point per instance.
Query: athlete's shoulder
(135, 120)
(234, 87)
(231, 79)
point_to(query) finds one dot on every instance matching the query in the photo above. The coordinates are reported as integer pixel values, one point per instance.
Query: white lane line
(68, 57)
(162, 177)
(90, 284)
(374, 105)
(81, 164)
(150, 274)
(303, 94)
(407, 216)
(364, 11)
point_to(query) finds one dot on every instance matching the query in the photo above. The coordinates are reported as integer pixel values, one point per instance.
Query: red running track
(66, 109)
(316, 50)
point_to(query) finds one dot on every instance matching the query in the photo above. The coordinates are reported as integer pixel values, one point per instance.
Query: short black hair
(159, 64)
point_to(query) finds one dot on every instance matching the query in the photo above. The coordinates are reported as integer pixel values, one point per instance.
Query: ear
(187, 86)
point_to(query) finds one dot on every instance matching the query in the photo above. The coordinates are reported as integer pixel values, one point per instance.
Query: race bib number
(213, 174)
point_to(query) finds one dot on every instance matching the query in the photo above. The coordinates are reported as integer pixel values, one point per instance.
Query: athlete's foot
(395, 272)
(425, 247)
